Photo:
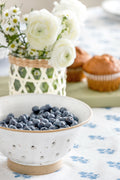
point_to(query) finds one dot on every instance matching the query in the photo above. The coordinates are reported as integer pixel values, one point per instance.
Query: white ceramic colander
(38, 152)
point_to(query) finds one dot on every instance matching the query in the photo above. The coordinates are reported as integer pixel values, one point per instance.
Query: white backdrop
(27, 5)
(48, 4)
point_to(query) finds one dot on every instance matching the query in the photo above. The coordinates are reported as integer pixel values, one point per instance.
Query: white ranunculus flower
(70, 23)
(43, 29)
(63, 54)
(74, 5)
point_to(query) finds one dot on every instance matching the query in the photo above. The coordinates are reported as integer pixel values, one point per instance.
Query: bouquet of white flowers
(44, 35)
(41, 45)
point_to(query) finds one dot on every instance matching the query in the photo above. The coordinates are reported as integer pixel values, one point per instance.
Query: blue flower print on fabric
(79, 159)
(108, 108)
(117, 129)
(58, 170)
(93, 137)
(106, 151)
(114, 164)
(76, 146)
(89, 175)
(90, 125)
(112, 117)
(17, 175)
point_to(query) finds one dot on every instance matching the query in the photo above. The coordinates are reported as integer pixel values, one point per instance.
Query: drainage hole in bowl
(53, 143)
(23, 157)
(41, 157)
(33, 147)
(14, 146)
(57, 154)
(9, 153)
(68, 140)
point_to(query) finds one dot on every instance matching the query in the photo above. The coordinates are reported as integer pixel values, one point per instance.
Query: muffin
(103, 73)
(75, 72)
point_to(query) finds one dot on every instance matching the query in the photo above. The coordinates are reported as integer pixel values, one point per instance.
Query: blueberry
(41, 124)
(74, 123)
(51, 111)
(76, 118)
(67, 126)
(36, 122)
(45, 120)
(70, 114)
(46, 114)
(31, 119)
(62, 109)
(40, 117)
(30, 123)
(19, 125)
(7, 120)
(13, 122)
(36, 109)
(44, 128)
(69, 121)
(12, 127)
(32, 115)
(48, 124)
(63, 124)
(65, 113)
(5, 125)
(51, 116)
(47, 107)
(52, 127)
(22, 118)
(37, 117)
(27, 116)
(24, 125)
(42, 108)
(58, 117)
(62, 118)
(57, 113)
(10, 115)
(57, 123)
(27, 128)
(41, 111)
(70, 117)
(56, 127)
(55, 109)
(32, 128)
(52, 120)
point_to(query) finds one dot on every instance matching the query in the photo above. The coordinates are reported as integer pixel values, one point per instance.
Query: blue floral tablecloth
(96, 152)
(101, 33)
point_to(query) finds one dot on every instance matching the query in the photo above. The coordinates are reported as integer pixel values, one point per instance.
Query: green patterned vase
(24, 79)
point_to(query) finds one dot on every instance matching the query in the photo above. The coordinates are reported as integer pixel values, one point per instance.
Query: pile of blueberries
(43, 118)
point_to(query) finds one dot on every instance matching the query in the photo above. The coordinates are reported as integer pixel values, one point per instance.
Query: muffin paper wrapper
(103, 77)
